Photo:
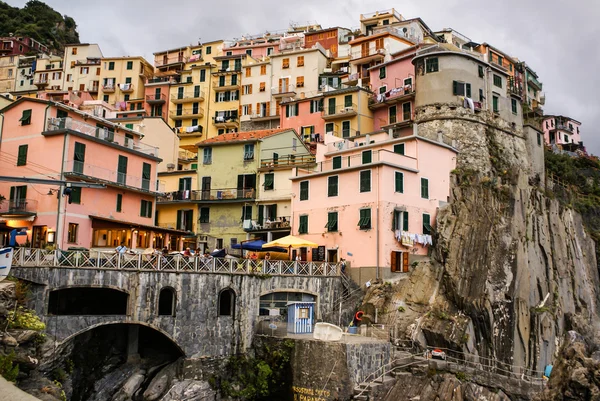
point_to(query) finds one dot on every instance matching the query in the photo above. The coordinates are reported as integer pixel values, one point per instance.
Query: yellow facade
(122, 81)
(346, 112)
(82, 68)
(8, 71)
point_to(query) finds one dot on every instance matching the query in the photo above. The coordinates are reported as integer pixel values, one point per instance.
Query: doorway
(332, 255)
(39, 236)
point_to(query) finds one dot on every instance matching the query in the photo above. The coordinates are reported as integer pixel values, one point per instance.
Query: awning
(103, 222)
(340, 61)
(17, 218)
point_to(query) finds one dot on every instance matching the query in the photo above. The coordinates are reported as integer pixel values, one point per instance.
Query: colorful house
(82, 68)
(561, 130)
(348, 204)
(49, 140)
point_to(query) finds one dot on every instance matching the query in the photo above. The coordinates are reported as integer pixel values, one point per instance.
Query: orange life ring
(358, 315)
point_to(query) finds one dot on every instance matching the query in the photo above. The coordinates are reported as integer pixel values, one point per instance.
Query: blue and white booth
(300, 317)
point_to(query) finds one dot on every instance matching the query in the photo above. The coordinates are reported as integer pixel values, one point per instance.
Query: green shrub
(24, 318)
(8, 369)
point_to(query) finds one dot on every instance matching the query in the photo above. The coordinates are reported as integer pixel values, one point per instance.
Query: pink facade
(301, 119)
(255, 50)
(156, 96)
(402, 191)
(561, 130)
(43, 140)
(393, 85)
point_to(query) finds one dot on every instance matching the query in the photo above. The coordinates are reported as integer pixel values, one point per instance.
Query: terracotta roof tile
(243, 136)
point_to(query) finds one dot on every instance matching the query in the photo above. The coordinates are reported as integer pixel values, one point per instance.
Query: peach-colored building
(43, 139)
(372, 200)
(561, 130)
(304, 115)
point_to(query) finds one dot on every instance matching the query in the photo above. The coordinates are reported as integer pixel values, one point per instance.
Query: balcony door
(18, 194)
(205, 188)
(246, 185)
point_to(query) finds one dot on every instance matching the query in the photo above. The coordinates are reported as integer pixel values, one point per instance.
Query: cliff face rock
(516, 264)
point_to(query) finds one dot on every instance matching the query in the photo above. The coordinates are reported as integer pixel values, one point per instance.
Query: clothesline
(409, 239)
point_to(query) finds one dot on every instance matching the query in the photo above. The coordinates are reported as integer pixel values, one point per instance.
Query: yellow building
(122, 81)
(8, 71)
(82, 68)
(238, 188)
(24, 76)
(346, 112)
(49, 74)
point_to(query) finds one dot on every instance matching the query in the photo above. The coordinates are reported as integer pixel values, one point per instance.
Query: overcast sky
(558, 39)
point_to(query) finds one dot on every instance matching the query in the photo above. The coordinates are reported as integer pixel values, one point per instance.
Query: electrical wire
(15, 158)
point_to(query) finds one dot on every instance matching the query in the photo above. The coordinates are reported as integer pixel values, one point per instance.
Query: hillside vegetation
(39, 21)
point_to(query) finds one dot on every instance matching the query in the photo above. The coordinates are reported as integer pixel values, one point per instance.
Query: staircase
(351, 295)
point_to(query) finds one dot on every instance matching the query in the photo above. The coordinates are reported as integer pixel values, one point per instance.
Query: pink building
(42, 139)
(393, 85)
(372, 200)
(156, 93)
(11, 46)
(304, 115)
(562, 130)
(256, 46)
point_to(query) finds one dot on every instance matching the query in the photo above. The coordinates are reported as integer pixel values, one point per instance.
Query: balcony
(93, 87)
(89, 61)
(194, 112)
(126, 88)
(171, 59)
(288, 161)
(163, 80)
(74, 168)
(284, 91)
(187, 155)
(266, 115)
(105, 134)
(355, 160)
(209, 195)
(18, 208)
(332, 113)
(564, 126)
(188, 97)
(278, 223)
(108, 88)
(41, 82)
(227, 86)
(157, 98)
(534, 82)
(180, 196)
(375, 15)
(363, 56)
(396, 95)
(225, 122)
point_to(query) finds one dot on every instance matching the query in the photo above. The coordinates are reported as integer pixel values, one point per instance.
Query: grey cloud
(556, 38)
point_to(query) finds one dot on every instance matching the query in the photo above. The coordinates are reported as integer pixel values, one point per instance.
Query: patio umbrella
(291, 242)
(258, 245)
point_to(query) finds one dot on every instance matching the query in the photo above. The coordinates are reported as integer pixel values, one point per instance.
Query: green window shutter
(22, 158)
(382, 73)
(304, 190)
(179, 218)
(424, 188)
(399, 148)
(146, 171)
(130, 65)
(468, 90)
(337, 162)
(75, 195)
(513, 103)
(129, 126)
(332, 187)
(332, 221)
(365, 181)
(367, 157)
(12, 193)
(455, 88)
(495, 103)
(303, 225)
(364, 221)
(405, 221)
(348, 101)
(399, 182)
(202, 75)
(142, 207)
(79, 152)
(204, 215)
(426, 224)
(119, 202)
(26, 117)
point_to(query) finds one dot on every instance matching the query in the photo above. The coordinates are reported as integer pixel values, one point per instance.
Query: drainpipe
(377, 216)
(60, 228)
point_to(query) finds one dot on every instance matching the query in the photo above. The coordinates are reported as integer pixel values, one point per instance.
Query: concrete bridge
(206, 307)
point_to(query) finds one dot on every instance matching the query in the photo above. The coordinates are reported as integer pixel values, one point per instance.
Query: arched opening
(227, 302)
(87, 301)
(166, 302)
(275, 303)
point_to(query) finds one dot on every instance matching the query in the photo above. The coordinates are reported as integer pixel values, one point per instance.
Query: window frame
(364, 221)
(424, 188)
(204, 215)
(332, 222)
(305, 190)
(398, 183)
(272, 185)
(432, 64)
(22, 155)
(363, 181)
(303, 225)
(333, 186)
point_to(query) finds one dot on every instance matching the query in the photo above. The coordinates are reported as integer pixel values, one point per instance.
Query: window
(130, 65)
(22, 158)
(316, 106)
(303, 224)
(126, 98)
(72, 233)
(263, 70)
(364, 221)
(122, 170)
(75, 196)
(146, 169)
(337, 162)
(300, 82)
(74, 51)
(497, 81)
(513, 105)
(128, 80)
(399, 262)
(227, 302)
(480, 70)
(406, 111)
(304, 190)
(481, 97)
(269, 181)
(207, 156)
(247, 212)
(248, 72)
(399, 148)
(431, 65)
(348, 101)
(300, 61)
(208, 49)
(424, 188)
(119, 207)
(500, 60)
(345, 129)
(204, 215)
(365, 181)
(111, 65)
(26, 117)
(382, 89)
(291, 110)
(400, 221)
(106, 98)
(392, 112)
(249, 151)
(426, 224)
(461, 89)
(329, 128)
(270, 50)
(166, 302)
(539, 139)
(332, 186)
(399, 182)
(262, 87)
(382, 73)
(146, 208)
(495, 104)
(285, 63)
(367, 157)
(332, 221)
(185, 220)
(247, 89)
(202, 75)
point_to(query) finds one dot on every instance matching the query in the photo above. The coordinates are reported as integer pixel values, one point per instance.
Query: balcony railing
(266, 114)
(197, 112)
(156, 98)
(95, 61)
(126, 88)
(225, 121)
(163, 80)
(82, 169)
(564, 126)
(171, 59)
(67, 123)
(187, 155)
(41, 81)
(367, 53)
(289, 160)
(285, 90)
(356, 160)
(93, 87)
(19, 206)
(108, 88)
(381, 13)
(330, 113)
(280, 222)
(110, 260)
(191, 96)
(180, 196)
(391, 96)
(437, 48)
(228, 84)
(208, 195)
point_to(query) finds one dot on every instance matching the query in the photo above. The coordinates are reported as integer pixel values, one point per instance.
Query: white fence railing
(110, 260)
